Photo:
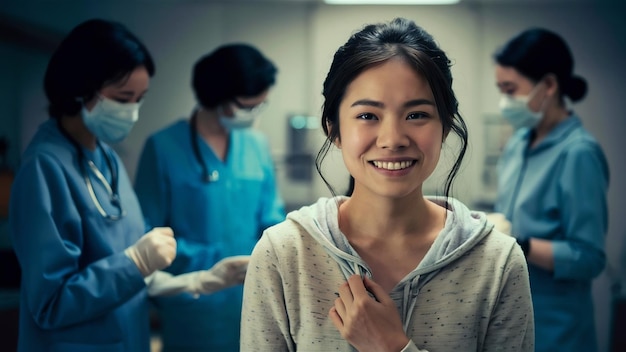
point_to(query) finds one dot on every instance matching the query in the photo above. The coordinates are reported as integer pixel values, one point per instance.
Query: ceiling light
(391, 2)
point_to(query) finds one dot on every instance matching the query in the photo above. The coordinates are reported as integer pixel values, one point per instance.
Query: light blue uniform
(79, 291)
(211, 221)
(557, 191)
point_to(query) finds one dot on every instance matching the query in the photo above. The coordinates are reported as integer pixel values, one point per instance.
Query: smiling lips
(393, 165)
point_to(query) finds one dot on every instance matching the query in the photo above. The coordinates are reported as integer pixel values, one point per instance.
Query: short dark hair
(95, 53)
(377, 43)
(231, 71)
(537, 52)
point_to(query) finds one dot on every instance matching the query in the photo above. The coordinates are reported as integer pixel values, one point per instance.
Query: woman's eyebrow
(368, 102)
(416, 102)
(377, 104)
(127, 93)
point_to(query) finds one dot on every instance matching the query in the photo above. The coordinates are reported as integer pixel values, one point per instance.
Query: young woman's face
(129, 89)
(391, 133)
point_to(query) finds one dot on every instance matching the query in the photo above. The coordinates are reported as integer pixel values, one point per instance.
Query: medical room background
(300, 36)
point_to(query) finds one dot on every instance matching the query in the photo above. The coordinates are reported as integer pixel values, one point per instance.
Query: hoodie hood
(463, 229)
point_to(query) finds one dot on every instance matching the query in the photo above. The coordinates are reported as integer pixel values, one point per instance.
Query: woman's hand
(367, 317)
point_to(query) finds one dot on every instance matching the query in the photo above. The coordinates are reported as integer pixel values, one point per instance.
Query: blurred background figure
(552, 186)
(210, 176)
(76, 225)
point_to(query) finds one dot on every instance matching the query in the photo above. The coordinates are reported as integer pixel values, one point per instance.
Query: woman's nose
(392, 135)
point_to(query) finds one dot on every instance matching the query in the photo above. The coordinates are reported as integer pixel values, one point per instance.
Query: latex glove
(500, 222)
(228, 272)
(153, 251)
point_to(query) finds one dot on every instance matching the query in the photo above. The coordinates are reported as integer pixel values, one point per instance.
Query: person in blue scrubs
(210, 177)
(552, 186)
(75, 222)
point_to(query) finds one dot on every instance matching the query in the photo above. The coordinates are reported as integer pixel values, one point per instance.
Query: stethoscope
(112, 189)
(195, 143)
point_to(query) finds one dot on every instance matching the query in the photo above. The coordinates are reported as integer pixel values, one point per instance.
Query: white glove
(161, 283)
(153, 251)
(500, 222)
(228, 272)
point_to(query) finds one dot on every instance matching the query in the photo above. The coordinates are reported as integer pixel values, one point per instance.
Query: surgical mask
(109, 120)
(241, 118)
(516, 111)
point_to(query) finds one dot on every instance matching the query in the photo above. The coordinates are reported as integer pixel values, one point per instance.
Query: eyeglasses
(250, 109)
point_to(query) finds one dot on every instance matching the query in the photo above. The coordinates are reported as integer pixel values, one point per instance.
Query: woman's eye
(367, 116)
(127, 100)
(417, 116)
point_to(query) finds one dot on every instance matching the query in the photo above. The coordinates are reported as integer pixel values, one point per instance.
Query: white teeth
(397, 165)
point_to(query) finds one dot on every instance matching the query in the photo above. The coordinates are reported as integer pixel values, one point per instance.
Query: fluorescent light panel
(391, 2)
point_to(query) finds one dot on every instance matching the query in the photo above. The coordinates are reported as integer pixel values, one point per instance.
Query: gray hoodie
(462, 230)
(469, 293)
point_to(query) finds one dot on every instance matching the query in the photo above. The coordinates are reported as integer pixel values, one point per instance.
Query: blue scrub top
(211, 221)
(557, 191)
(79, 291)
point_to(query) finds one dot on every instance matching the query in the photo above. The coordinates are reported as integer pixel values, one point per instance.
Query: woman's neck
(212, 132)
(553, 116)
(208, 124)
(409, 216)
(76, 128)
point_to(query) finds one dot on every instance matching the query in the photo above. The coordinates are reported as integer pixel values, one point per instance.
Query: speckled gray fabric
(470, 293)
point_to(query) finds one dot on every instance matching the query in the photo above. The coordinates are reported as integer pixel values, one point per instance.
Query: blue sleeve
(153, 191)
(59, 283)
(273, 206)
(507, 171)
(192, 255)
(584, 216)
(151, 186)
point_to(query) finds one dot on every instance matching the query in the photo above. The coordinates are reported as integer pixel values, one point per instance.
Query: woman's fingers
(345, 293)
(335, 318)
(376, 290)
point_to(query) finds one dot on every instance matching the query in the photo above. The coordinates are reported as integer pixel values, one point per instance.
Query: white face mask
(109, 120)
(241, 118)
(516, 111)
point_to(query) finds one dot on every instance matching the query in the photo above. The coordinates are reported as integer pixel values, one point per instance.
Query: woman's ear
(336, 141)
(552, 84)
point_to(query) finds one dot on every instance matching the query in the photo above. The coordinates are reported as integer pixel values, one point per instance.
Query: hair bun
(575, 88)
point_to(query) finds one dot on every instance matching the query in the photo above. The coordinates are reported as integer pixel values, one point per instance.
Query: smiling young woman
(388, 268)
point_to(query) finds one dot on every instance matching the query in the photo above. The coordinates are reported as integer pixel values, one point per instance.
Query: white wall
(302, 37)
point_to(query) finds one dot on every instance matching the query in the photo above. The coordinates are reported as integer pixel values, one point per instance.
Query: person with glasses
(210, 177)
(87, 262)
